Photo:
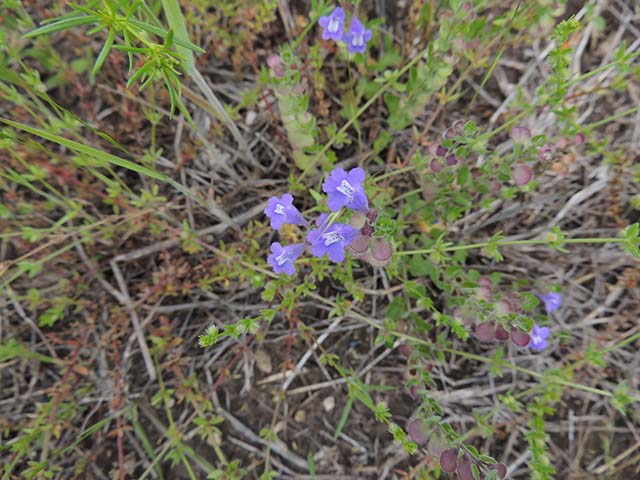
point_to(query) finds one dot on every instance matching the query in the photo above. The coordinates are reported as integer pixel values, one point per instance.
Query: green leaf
(178, 25)
(60, 25)
(50, 316)
(114, 160)
(343, 418)
(106, 48)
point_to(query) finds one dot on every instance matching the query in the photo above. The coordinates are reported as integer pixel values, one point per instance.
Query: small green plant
(278, 240)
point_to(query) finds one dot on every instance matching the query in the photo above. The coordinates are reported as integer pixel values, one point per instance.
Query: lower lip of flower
(332, 237)
(281, 259)
(346, 189)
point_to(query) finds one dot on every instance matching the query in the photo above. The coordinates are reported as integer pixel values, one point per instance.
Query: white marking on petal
(358, 40)
(346, 189)
(282, 259)
(332, 237)
(535, 339)
(333, 26)
(279, 209)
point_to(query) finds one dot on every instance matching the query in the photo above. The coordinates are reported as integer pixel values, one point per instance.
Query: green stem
(615, 116)
(503, 243)
(623, 343)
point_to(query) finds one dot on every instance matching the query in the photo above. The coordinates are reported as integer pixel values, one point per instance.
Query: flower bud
(521, 174)
(520, 135)
(435, 165)
(578, 139)
(275, 64)
(381, 252)
(503, 307)
(544, 154)
(519, 338)
(484, 293)
(358, 219)
(359, 247)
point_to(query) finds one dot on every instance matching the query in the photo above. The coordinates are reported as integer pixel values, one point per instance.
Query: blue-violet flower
(552, 301)
(332, 25)
(345, 190)
(331, 239)
(357, 37)
(282, 258)
(539, 337)
(281, 211)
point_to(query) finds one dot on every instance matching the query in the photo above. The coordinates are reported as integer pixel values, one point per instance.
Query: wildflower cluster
(355, 38)
(328, 237)
(455, 460)
(522, 333)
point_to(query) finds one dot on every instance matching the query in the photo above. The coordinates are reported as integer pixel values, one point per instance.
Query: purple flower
(332, 25)
(345, 190)
(331, 239)
(281, 211)
(282, 258)
(357, 37)
(552, 301)
(539, 337)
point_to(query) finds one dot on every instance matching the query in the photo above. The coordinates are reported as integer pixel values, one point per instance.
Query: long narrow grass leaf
(106, 48)
(114, 160)
(60, 25)
(179, 27)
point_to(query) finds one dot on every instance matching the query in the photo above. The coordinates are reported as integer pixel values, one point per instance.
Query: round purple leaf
(501, 333)
(449, 460)
(464, 470)
(519, 338)
(521, 174)
(486, 331)
(417, 430)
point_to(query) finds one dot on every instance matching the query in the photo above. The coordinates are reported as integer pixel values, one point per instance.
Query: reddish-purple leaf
(484, 293)
(520, 135)
(504, 307)
(521, 174)
(435, 165)
(418, 431)
(449, 460)
(405, 350)
(519, 338)
(501, 334)
(464, 470)
(501, 468)
(486, 331)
